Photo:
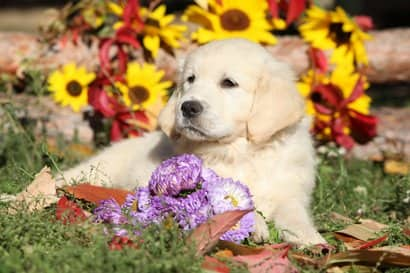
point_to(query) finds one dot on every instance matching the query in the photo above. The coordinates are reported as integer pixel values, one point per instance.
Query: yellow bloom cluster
(231, 18)
(143, 87)
(158, 28)
(69, 86)
(335, 30)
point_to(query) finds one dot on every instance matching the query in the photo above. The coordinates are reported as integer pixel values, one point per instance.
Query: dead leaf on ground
(396, 167)
(269, 260)
(366, 230)
(349, 268)
(211, 264)
(382, 256)
(207, 235)
(95, 194)
(40, 193)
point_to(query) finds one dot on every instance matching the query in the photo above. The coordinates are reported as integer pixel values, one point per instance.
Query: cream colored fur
(255, 133)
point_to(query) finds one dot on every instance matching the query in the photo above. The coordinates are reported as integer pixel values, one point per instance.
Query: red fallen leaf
(95, 194)
(374, 242)
(211, 264)
(207, 235)
(364, 22)
(69, 212)
(268, 260)
(349, 241)
(119, 242)
(238, 249)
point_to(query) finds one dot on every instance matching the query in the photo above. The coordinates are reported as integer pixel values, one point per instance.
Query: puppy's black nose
(191, 108)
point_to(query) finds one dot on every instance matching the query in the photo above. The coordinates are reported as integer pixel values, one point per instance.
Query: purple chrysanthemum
(226, 194)
(241, 230)
(209, 176)
(191, 210)
(176, 174)
(142, 207)
(109, 211)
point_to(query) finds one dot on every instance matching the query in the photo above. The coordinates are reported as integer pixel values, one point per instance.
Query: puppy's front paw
(261, 232)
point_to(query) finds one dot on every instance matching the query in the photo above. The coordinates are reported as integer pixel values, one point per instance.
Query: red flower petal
(363, 127)
(101, 102)
(273, 8)
(119, 242)
(357, 92)
(69, 212)
(364, 22)
(115, 133)
(319, 59)
(295, 9)
(104, 53)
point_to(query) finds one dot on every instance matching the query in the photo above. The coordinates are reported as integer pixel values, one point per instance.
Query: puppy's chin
(193, 133)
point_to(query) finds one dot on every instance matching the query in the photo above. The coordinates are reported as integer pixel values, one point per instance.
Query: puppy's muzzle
(191, 109)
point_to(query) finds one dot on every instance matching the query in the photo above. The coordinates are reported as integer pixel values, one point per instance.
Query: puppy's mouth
(194, 133)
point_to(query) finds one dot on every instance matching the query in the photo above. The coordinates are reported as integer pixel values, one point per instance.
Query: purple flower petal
(226, 194)
(176, 174)
(109, 211)
(241, 230)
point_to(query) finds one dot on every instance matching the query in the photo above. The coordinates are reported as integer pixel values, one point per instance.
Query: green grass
(37, 243)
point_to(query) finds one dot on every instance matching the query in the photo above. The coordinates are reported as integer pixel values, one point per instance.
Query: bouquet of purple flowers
(181, 188)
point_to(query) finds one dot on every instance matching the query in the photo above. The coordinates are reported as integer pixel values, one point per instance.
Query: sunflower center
(74, 88)
(232, 199)
(234, 20)
(138, 94)
(337, 34)
(152, 22)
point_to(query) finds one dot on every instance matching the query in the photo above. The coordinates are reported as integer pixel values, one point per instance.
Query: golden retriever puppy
(238, 109)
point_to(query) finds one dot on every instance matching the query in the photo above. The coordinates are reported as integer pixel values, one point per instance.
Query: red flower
(124, 120)
(123, 37)
(69, 212)
(318, 59)
(291, 8)
(346, 125)
(364, 22)
(119, 242)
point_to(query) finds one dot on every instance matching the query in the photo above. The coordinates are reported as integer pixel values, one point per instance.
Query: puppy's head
(232, 88)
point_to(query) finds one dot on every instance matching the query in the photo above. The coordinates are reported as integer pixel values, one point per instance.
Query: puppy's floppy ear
(166, 119)
(276, 103)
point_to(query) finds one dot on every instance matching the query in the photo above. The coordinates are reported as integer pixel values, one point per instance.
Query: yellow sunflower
(231, 18)
(342, 77)
(143, 88)
(69, 86)
(335, 30)
(158, 28)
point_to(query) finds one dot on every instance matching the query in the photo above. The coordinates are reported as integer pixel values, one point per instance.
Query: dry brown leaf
(396, 167)
(207, 235)
(348, 268)
(338, 217)
(238, 249)
(382, 256)
(41, 192)
(348, 241)
(269, 260)
(366, 230)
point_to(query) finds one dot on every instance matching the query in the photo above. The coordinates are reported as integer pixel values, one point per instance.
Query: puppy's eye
(228, 83)
(191, 79)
